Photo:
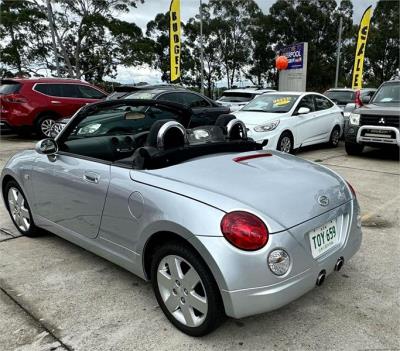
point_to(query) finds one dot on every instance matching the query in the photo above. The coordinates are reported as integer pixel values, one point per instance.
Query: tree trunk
(63, 51)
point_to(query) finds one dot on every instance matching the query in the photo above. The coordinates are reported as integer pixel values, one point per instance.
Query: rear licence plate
(323, 238)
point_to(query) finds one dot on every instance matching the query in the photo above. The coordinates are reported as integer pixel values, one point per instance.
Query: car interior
(148, 138)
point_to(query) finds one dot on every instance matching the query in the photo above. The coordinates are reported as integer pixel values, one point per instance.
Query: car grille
(376, 120)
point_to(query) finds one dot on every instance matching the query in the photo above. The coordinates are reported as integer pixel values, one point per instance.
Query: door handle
(91, 177)
(55, 102)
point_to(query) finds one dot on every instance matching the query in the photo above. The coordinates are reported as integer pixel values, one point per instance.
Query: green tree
(92, 42)
(262, 55)
(315, 22)
(212, 65)
(382, 50)
(23, 42)
(231, 23)
(158, 31)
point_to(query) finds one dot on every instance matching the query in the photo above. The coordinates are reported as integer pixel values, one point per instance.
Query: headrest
(224, 119)
(236, 130)
(166, 134)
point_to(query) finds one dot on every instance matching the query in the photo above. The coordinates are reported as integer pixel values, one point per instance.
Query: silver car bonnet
(282, 189)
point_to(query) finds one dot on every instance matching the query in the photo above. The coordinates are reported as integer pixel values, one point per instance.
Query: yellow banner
(175, 39)
(360, 50)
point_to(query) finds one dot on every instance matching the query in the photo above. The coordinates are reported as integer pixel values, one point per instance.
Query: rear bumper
(247, 302)
(247, 285)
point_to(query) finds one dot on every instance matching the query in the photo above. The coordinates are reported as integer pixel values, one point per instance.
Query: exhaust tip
(321, 277)
(339, 264)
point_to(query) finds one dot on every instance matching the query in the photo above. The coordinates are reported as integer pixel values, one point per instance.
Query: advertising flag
(175, 40)
(360, 49)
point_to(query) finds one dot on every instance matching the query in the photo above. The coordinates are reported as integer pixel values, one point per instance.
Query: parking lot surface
(57, 296)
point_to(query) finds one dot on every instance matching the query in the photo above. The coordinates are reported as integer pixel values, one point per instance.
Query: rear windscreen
(236, 97)
(341, 96)
(9, 88)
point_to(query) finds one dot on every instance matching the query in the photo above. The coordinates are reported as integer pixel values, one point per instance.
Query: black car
(345, 96)
(377, 122)
(205, 110)
(122, 91)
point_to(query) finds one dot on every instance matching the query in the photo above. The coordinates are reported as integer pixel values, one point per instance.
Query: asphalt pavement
(57, 296)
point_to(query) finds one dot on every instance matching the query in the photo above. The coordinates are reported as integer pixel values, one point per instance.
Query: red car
(34, 104)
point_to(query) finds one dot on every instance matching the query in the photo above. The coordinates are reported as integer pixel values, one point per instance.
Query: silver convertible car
(219, 226)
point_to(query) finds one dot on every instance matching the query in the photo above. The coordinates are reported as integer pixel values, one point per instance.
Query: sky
(147, 11)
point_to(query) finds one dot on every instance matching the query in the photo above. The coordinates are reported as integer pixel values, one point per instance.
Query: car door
(326, 117)
(70, 191)
(57, 101)
(204, 112)
(305, 124)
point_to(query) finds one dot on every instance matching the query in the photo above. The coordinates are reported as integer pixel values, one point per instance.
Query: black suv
(377, 122)
(205, 110)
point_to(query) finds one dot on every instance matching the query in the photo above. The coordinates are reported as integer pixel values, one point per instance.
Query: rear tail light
(244, 230)
(357, 100)
(352, 189)
(14, 98)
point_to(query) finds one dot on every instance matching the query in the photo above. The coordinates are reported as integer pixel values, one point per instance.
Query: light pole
(338, 51)
(201, 48)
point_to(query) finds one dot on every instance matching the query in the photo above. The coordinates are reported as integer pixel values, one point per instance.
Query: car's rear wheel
(285, 143)
(335, 137)
(45, 126)
(353, 149)
(18, 207)
(186, 290)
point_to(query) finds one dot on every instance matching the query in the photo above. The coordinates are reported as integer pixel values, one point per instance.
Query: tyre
(285, 143)
(185, 290)
(335, 137)
(19, 209)
(353, 148)
(45, 125)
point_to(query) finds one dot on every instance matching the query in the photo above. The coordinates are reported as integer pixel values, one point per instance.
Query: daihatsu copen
(219, 226)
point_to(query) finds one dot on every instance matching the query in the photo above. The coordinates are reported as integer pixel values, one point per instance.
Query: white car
(288, 120)
(237, 98)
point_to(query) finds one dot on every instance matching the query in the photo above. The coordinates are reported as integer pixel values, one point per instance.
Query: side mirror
(46, 147)
(366, 99)
(303, 110)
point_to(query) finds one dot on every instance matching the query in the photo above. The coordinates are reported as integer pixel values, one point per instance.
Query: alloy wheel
(47, 126)
(335, 137)
(285, 144)
(18, 209)
(182, 290)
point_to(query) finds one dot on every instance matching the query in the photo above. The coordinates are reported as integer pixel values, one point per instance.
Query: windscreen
(9, 88)
(141, 95)
(236, 97)
(341, 97)
(388, 94)
(273, 103)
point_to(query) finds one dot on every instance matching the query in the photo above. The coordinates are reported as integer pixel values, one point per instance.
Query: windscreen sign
(295, 55)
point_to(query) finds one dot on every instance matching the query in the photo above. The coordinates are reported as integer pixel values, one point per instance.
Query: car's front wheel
(353, 148)
(18, 207)
(186, 290)
(285, 143)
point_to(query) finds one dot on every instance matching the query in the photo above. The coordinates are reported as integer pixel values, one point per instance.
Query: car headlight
(267, 127)
(279, 261)
(354, 119)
